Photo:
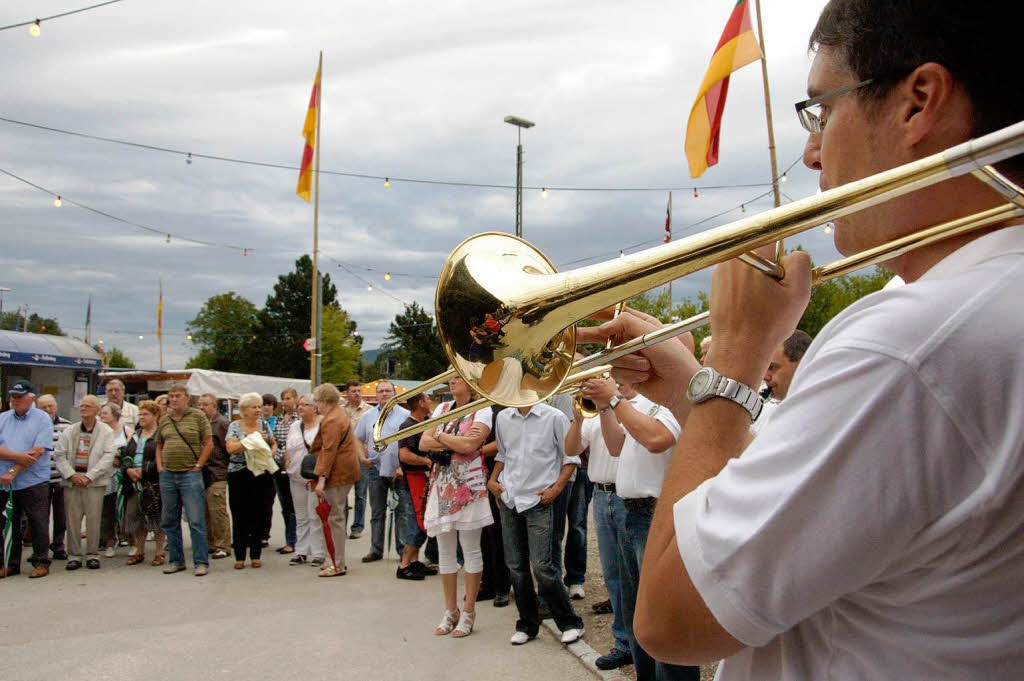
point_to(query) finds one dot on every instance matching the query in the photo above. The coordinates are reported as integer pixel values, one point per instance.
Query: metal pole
(314, 365)
(318, 353)
(519, 186)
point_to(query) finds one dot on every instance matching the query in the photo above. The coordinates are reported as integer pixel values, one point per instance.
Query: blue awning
(37, 349)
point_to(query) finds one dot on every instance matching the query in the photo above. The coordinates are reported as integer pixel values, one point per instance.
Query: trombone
(507, 319)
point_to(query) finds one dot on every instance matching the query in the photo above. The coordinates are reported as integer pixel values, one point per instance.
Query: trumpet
(507, 319)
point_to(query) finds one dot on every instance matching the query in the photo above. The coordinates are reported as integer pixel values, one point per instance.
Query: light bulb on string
(141, 337)
(188, 159)
(369, 287)
(100, 341)
(387, 182)
(387, 276)
(188, 336)
(783, 178)
(57, 203)
(33, 30)
(829, 227)
(696, 194)
(544, 193)
(168, 239)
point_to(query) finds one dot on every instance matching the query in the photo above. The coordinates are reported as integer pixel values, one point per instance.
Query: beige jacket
(101, 453)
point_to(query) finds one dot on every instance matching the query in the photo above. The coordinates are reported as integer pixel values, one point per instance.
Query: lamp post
(520, 123)
(3, 290)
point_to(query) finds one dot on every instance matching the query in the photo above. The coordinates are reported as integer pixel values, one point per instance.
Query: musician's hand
(752, 314)
(600, 391)
(660, 372)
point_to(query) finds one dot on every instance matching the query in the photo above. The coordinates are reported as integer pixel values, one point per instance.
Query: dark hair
(354, 383)
(796, 345)
(977, 41)
(269, 398)
(414, 401)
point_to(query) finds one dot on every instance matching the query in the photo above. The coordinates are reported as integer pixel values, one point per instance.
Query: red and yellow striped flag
(736, 48)
(309, 132)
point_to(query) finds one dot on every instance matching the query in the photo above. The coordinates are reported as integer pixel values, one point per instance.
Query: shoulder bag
(307, 469)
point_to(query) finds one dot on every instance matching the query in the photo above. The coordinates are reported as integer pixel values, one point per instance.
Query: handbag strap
(302, 431)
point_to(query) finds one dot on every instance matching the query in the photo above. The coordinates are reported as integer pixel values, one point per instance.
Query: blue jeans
(560, 507)
(609, 526)
(284, 495)
(359, 517)
(638, 523)
(576, 539)
(527, 539)
(177, 490)
(377, 489)
(409, 532)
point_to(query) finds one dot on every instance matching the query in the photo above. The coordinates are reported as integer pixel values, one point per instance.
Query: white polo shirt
(602, 466)
(641, 472)
(875, 527)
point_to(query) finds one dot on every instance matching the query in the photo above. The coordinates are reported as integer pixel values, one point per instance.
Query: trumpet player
(875, 527)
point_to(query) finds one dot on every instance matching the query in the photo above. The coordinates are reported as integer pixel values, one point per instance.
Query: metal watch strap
(741, 394)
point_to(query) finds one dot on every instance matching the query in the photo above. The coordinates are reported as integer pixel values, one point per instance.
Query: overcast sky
(415, 90)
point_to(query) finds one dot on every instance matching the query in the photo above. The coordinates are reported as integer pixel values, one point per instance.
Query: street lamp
(520, 123)
(3, 290)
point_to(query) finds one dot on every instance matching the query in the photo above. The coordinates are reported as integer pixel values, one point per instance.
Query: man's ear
(926, 101)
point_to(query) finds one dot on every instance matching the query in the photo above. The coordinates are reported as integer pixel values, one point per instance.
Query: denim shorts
(408, 529)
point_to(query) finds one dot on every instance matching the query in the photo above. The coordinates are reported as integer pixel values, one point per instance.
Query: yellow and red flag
(737, 47)
(309, 132)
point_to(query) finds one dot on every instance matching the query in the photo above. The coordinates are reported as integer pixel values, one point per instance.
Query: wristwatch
(708, 383)
(614, 402)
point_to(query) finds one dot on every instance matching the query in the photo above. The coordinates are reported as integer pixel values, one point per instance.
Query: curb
(586, 655)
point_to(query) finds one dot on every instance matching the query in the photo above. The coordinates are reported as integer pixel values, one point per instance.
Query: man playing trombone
(875, 527)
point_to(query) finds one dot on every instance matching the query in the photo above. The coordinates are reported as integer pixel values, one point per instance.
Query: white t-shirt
(297, 449)
(483, 416)
(875, 527)
(641, 472)
(602, 466)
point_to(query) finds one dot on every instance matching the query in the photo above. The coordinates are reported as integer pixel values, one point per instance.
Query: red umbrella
(323, 509)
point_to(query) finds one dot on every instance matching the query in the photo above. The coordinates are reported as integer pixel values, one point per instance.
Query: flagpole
(670, 238)
(160, 324)
(314, 357)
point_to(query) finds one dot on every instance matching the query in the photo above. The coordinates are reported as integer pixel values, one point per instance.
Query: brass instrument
(507, 319)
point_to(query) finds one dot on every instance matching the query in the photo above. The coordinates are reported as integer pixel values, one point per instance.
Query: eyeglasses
(814, 121)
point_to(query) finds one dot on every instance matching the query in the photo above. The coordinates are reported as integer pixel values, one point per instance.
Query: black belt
(605, 486)
(638, 504)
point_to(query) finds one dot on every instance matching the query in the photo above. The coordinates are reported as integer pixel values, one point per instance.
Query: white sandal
(447, 624)
(465, 627)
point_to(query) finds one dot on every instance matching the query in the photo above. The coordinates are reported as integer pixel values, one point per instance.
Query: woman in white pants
(309, 535)
(457, 507)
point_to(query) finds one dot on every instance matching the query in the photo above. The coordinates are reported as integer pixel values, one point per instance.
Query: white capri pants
(308, 530)
(448, 548)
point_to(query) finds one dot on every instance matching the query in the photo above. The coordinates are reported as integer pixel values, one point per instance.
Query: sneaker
(297, 560)
(134, 550)
(75, 564)
(172, 568)
(123, 542)
(355, 534)
(572, 635)
(110, 552)
(372, 557)
(614, 659)
(201, 570)
(218, 554)
(424, 569)
(409, 572)
(576, 592)
(519, 638)
(93, 564)
(150, 535)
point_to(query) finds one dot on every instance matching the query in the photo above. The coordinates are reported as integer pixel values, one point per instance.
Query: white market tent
(230, 386)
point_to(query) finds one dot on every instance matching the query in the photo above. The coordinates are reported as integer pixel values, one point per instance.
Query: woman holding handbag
(141, 485)
(250, 496)
(457, 506)
(309, 541)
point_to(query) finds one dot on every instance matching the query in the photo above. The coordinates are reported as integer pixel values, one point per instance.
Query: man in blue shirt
(26, 440)
(379, 469)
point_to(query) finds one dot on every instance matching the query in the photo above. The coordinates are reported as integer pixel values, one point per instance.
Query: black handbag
(307, 469)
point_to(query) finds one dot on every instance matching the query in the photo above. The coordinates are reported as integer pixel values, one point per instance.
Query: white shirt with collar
(532, 449)
(875, 527)
(641, 471)
(603, 466)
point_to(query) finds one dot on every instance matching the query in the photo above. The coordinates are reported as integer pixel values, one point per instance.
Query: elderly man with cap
(26, 440)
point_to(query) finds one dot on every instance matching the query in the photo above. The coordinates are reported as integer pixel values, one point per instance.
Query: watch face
(699, 383)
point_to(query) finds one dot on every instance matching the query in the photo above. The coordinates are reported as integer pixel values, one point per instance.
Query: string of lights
(388, 180)
(34, 24)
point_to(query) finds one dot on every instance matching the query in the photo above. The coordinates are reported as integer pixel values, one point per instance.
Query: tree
(342, 347)
(832, 297)
(34, 324)
(115, 358)
(414, 340)
(283, 323)
(223, 332)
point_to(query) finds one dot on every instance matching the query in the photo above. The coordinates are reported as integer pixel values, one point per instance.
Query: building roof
(38, 349)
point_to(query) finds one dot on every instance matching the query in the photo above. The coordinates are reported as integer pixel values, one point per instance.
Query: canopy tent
(43, 350)
(230, 386)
